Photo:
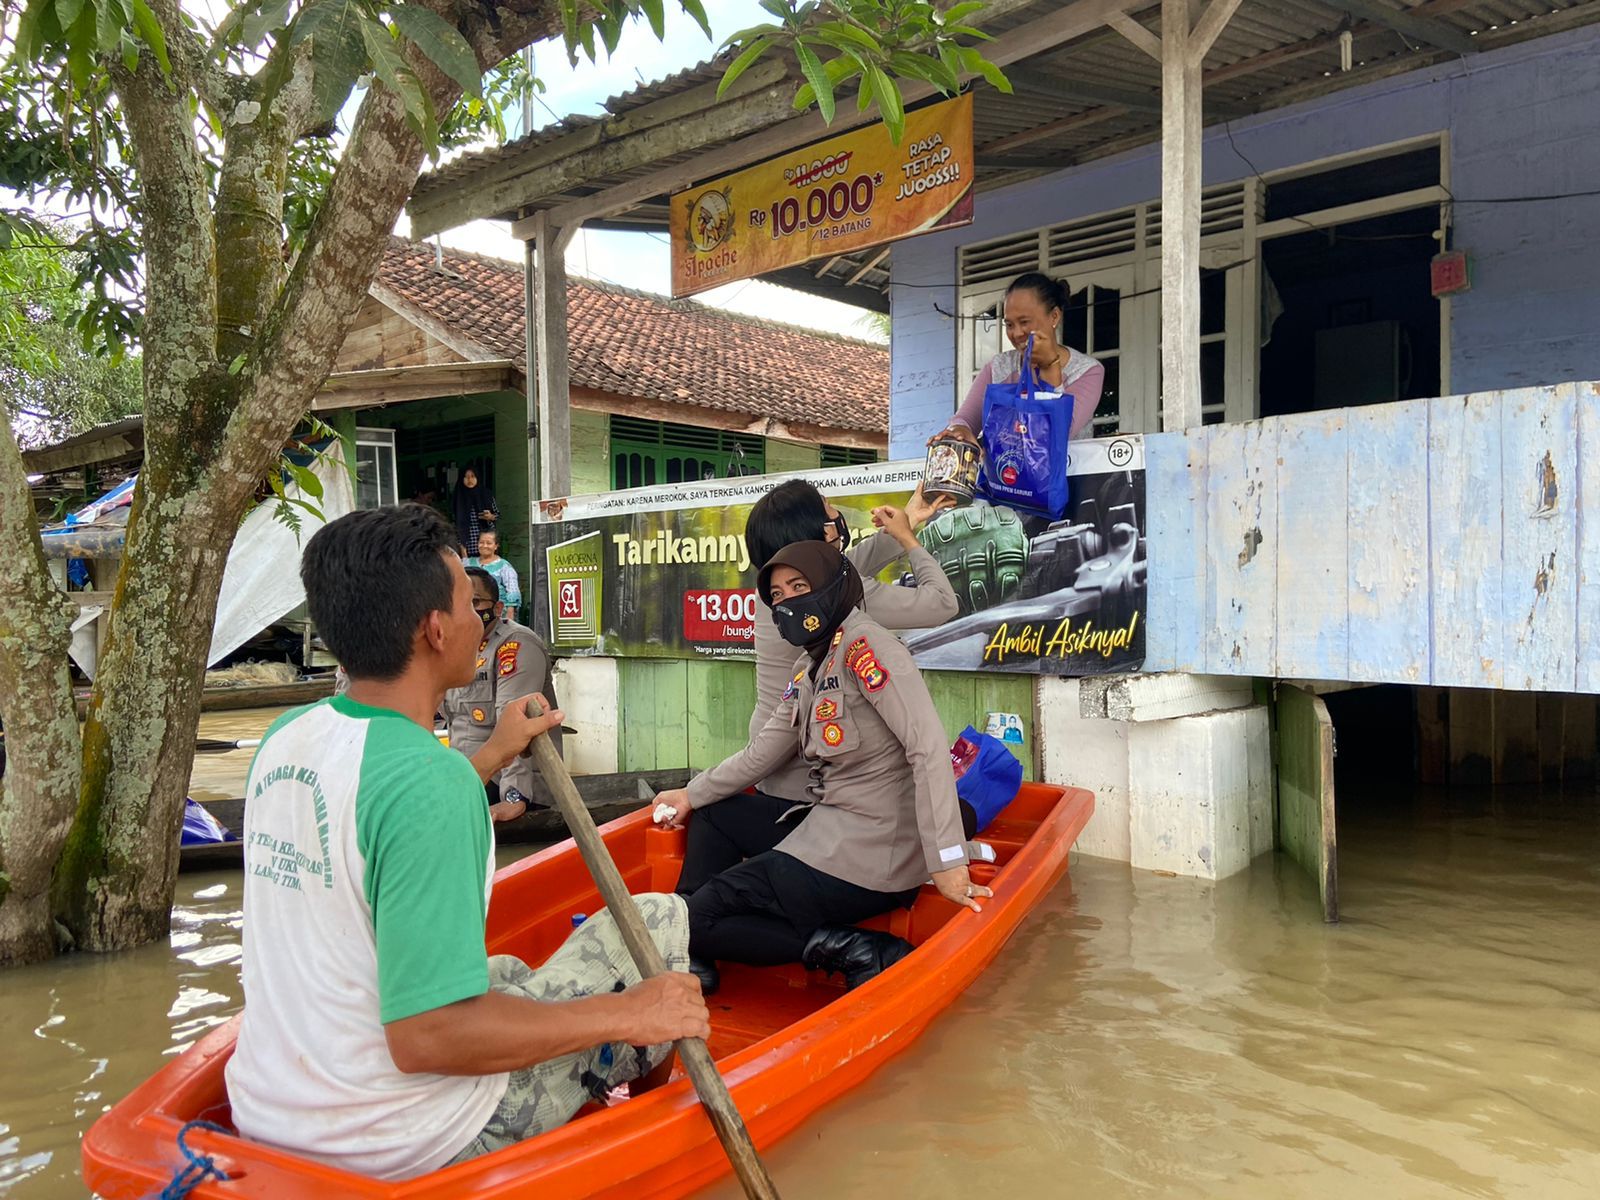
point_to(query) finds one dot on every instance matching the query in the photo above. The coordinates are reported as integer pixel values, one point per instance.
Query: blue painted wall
(1522, 121)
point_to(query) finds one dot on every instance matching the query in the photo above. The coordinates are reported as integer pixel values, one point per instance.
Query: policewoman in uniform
(796, 512)
(512, 662)
(883, 816)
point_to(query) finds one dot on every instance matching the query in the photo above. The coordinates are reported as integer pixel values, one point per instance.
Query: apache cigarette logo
(710, 221)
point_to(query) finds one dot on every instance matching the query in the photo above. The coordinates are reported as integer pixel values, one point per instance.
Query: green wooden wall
(674, 713)
(591, 452)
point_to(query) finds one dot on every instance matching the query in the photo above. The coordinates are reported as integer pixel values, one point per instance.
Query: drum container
(951, 469)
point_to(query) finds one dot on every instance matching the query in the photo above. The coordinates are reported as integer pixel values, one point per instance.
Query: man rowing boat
(378, 1036)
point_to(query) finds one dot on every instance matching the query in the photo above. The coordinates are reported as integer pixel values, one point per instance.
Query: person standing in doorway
(476, 510)
(505, 575)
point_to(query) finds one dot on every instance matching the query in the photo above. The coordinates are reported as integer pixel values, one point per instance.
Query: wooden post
(546, 344)
(1184, 43)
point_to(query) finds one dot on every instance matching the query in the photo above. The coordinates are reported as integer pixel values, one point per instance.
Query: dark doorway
(1349, 316)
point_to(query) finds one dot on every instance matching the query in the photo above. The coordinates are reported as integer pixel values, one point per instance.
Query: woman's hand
(677, 801)
(956, 886)
(920, 510)
(955, 431)
(488, 514)
(896, 524)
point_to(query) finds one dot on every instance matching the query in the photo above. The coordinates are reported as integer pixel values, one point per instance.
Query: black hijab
(836, 591)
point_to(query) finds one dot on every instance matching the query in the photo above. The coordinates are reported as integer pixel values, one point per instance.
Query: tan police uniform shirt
(894, 606)
(878, 767)
(512, 662)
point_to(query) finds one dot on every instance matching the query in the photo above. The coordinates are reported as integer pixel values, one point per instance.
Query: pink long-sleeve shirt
(1082, 379)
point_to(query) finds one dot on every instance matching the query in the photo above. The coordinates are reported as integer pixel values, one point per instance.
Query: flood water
(1141, 1036)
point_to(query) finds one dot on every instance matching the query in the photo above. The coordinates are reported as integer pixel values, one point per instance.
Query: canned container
(952, 469)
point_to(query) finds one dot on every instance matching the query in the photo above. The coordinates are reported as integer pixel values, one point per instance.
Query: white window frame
(382, 441)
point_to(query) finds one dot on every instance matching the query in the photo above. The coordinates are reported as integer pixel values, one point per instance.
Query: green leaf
(778, 9)
(838, 71)
(979, 65)
(67, 12)
(610, 31)
(237, 364)
(111, 18)
(741, 64)
(697, 10)
(811, 65)
(150, 30)
(957, 12)
(889, 103)
(656, 13)
(569, 28)
(307, 480)
(338, 52)
(263, 20)
(929, 70)
(81, 48)
(842, 34)
(441, 43)
(864, 92)
(37, 28)
(393, 72)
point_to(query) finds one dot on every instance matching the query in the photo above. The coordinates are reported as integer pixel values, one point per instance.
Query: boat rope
(197, 1169)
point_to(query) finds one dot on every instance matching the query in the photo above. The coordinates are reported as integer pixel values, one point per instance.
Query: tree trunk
(115, 881)
(40, 787)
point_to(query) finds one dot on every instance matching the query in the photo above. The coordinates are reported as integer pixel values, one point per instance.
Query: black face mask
(807, 621)
(488, 618)
(843, 531)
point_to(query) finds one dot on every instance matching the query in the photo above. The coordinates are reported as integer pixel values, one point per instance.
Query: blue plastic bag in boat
(200, 828)
(988, 777)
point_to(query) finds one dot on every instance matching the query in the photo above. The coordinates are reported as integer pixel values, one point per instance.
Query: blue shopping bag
(988, 777)
(1025, 432)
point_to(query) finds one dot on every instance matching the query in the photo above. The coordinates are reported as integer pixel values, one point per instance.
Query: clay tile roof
(636, 344)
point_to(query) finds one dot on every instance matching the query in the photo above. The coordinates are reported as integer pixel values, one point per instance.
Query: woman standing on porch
(475, 510)
(1034, 305)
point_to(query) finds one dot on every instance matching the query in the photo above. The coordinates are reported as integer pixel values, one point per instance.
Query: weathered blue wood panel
(1588, 674)
(1388, 531)
(1465, 539)
(1313, 562)
(1242, 541)
(1539, 588)
(1175, 533)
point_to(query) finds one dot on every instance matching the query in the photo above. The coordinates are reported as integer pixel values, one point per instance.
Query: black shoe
(857, 954)
(706, 972)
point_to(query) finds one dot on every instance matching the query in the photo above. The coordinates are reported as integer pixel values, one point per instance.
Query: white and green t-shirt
(368, 859)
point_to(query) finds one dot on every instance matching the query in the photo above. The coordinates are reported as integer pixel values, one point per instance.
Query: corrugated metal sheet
(1273, 52)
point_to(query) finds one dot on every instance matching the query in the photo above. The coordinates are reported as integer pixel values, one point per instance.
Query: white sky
(643, 260)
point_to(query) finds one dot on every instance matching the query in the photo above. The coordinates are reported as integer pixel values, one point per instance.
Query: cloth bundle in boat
(1025, 432)
(988, 777)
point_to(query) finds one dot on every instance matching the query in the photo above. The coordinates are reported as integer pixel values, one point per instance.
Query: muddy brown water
(1141, 1036)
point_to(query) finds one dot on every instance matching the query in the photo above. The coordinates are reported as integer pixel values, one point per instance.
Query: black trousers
(724, 834)
(763, 911)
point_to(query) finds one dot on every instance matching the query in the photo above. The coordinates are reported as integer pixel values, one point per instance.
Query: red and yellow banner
(856, 190)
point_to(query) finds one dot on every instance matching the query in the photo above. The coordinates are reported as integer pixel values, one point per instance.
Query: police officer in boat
(512, 662)
(884, 817)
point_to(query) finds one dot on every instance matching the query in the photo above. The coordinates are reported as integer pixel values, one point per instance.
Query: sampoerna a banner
(852, 191)
(663, 572)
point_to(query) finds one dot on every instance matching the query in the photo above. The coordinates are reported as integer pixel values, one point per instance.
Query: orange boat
(786, 1040)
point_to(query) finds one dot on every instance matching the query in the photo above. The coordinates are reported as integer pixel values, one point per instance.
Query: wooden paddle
(697, 1060)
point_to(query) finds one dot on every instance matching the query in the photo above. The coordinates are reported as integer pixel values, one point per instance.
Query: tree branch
(179, 251)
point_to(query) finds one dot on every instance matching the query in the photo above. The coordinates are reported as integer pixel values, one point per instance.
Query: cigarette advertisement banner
(855, 190)
(663, 572)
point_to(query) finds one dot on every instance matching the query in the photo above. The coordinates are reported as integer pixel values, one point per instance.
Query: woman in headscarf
(884, 816)
(795, 511)
(476, 510)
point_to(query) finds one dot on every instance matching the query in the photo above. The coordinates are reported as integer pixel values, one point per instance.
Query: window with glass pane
(375, 468)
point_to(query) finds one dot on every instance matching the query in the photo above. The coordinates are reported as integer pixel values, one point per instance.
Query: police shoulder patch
(506, 656)
(870, 671)
(857, 649)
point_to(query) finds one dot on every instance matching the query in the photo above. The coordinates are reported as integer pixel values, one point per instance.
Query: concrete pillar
(586, 689)
(1200, 792)
(1088, 753)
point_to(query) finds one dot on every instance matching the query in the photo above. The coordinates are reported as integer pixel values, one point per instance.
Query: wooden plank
(1588, 666)
(653, 714)
(1306, 816)
(547, 296)
(1471, 737)
(955, 695)
(1009, 694)
(724, 695)
(1242, 540)
(1464, 539)
(1388, 519)
(1516, 737)
(1579, 734)
(1175, 495)
(1313, 559)
(1539, 588)
(1433, 735)
(1551, 717)
(1180, 207)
